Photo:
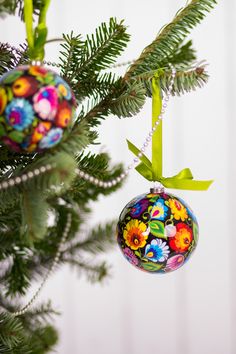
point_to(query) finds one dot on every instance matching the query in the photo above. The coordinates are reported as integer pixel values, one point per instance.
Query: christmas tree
(45, 197)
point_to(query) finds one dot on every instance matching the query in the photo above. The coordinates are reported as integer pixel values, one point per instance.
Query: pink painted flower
(46, 102)
(174, 262)
(130, 256)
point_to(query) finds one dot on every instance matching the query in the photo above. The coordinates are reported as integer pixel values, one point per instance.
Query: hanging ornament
(157, 232)
(36, 104)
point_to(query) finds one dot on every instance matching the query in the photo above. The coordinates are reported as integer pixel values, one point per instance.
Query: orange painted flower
(36, 70)
(25, 86)
(135, 234)
(182, 239)
(64, 115)
(3, 99)
(178, 210)
(40, 131)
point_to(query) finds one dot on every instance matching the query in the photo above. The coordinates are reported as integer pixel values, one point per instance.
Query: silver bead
(42, 169)
(11, 182)
(24, 178)
(30, 174)
(18, 180)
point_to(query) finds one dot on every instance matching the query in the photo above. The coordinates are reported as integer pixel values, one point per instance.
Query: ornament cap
(157, 190)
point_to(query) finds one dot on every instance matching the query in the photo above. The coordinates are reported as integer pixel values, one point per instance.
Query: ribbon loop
(152, 171)
(36, 38)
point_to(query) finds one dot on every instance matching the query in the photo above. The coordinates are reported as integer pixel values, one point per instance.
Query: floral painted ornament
(36, 106)
(157, 232)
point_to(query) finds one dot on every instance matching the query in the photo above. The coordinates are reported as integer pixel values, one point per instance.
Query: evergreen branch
(130, 102)
(171, 36)
(12, 336)
(94, 272)
(187, 79)
(77, 139)
(99, 240)
(40, 314)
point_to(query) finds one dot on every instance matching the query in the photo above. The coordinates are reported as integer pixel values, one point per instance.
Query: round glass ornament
(36, 106)
(157, 232)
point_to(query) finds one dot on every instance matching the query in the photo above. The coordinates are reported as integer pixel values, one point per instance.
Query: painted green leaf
(2, 130)
(151, 267)
(12, 77)
(157, 228)
(16, 136)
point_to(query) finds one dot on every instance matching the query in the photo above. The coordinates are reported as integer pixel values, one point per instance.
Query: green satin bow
(152, 171)
(36, 38)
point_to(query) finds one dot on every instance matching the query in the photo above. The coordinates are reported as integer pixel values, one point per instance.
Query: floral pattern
(178, 210)
(159, 210)
(157, 251)
(19, 114)
(36, 106)
(157, 233)
(135, 234)
(182, 239)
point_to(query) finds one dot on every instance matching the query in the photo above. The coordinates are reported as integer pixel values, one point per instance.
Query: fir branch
(94, 272)
(130, 102)
(187, 79)
(99, 240)
(77, 139)
(170, 37)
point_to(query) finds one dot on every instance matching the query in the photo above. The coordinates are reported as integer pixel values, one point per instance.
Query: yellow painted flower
(135, 234)
(178, 210)
(3, 99)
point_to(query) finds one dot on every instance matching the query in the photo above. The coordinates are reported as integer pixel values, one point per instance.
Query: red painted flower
(182, 239)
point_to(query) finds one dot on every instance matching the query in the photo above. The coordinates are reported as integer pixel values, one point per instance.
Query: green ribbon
(152, 171)
(36, 38)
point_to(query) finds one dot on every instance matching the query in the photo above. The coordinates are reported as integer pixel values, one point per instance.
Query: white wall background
(193, 310)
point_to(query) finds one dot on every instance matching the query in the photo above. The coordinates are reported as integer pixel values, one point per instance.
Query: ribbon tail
(186, 184)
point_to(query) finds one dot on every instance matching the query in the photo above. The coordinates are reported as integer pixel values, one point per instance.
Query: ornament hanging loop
(36, 38)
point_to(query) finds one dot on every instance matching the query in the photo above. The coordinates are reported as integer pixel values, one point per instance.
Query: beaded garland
(157, 232)
(36, 106)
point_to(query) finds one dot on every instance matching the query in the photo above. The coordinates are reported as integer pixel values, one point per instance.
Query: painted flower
(135, 234)
(129, 255)
(174, 262)
(3, 99)
(25, 86)
(159, 210)
(178, 210)
(19, 114)
(170, 230)
(157, 251)
(36, 70)
(138, 208)
(52, 138)
(40, 131)
(182, 239)
(63, 88)
(46, 102)
(64, 114)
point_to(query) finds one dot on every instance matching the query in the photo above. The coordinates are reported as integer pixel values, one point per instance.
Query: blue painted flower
(159, 210)
(157, 251)
(138, 208)
(52, 138)
(63, 87)
(19, 114)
